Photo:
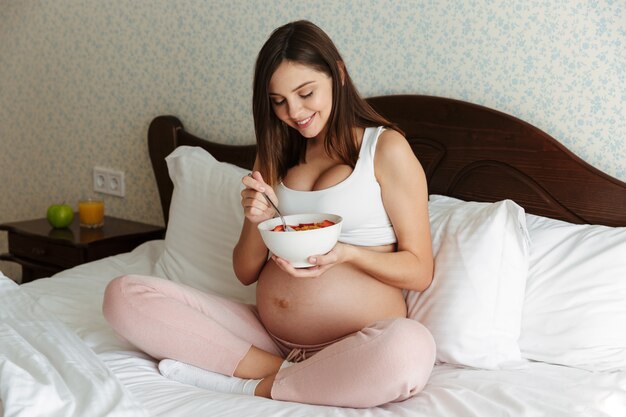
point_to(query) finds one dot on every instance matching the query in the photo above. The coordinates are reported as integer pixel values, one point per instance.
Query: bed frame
(468, 151)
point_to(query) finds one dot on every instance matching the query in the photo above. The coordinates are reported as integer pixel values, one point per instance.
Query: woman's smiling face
(302, 98)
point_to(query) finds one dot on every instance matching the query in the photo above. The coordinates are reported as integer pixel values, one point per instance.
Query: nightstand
(43, 251)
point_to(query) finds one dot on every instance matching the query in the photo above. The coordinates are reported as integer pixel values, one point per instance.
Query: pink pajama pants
(390, 360)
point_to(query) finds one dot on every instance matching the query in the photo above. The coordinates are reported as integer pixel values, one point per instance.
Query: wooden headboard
(468, 151)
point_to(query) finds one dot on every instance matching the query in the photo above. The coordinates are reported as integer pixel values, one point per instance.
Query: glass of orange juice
(91, 213)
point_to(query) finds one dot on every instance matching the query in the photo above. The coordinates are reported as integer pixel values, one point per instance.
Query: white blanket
(47, 370)
(75, 297)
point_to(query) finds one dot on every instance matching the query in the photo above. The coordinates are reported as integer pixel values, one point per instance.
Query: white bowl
(296, 247)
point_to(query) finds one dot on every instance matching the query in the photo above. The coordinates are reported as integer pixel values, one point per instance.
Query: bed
(527, 307)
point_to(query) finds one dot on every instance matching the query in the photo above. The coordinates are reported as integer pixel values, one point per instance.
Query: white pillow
(473, 307)
(575, 307)
(205, 220)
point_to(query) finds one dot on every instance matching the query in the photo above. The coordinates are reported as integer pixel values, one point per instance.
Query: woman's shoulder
(394, 155)
(391, 144)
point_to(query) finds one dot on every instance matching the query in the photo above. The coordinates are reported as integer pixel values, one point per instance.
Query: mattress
(73, 299)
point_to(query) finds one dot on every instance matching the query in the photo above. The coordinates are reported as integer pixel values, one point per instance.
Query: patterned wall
(81, 79)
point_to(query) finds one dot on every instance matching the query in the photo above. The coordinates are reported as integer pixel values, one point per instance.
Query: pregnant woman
(332, 334)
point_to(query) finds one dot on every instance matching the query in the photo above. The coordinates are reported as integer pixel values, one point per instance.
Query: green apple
(60, 215)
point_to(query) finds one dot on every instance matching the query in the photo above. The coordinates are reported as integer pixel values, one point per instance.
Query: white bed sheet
(74, 297)
(47, 370)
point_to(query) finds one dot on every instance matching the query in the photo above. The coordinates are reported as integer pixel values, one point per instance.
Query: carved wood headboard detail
(468, 151)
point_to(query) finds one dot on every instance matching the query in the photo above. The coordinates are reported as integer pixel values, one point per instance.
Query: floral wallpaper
(80, 80)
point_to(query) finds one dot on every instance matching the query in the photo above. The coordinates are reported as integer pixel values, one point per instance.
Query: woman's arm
(250, 253)
(405, 197)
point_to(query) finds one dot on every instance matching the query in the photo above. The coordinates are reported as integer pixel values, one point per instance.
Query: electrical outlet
(108, 181)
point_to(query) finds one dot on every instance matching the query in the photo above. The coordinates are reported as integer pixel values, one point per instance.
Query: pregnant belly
(317, 310)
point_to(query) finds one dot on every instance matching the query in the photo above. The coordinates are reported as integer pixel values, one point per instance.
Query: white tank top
(357, 199)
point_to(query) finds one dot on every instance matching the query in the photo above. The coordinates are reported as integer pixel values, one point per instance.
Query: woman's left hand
(321, 263)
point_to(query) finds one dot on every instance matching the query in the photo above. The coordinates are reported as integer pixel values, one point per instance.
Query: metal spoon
(286, 227)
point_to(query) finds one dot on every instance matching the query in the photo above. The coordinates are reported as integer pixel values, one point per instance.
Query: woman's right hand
(255, 207)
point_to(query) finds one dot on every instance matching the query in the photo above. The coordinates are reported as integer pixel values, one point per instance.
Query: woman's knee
(114, 298)
(413, 353)
(413, 337)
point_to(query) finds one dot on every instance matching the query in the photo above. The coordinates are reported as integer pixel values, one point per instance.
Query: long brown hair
(280, 147)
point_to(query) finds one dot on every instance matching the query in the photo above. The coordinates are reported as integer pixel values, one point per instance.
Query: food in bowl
(304, 226)
(297, 247)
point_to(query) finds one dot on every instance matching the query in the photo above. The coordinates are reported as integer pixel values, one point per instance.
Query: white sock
(192, 375)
